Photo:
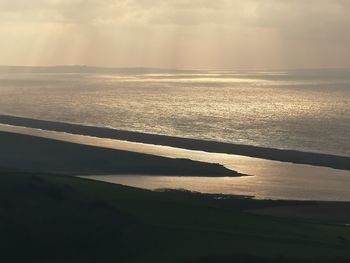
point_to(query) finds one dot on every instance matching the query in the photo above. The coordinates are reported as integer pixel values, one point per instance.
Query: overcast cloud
(176, 33)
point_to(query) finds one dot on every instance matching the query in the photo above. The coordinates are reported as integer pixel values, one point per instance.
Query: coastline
(268, 179)
(293, 156)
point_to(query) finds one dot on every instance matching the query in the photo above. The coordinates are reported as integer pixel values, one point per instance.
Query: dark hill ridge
(29, 153)
(318, 159)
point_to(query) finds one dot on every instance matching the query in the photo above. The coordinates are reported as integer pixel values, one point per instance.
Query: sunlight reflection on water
(271, 109)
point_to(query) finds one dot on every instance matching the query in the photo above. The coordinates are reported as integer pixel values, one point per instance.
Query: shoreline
(292, 156)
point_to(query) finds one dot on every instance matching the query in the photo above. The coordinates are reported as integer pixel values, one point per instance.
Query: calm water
(270, 179)
(293, 110)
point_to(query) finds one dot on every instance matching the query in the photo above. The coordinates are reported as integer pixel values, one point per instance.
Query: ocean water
(300, 110)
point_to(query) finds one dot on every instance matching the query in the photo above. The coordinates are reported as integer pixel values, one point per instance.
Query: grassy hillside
(48, 218)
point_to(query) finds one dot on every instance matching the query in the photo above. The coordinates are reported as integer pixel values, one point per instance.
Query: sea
(306, 110)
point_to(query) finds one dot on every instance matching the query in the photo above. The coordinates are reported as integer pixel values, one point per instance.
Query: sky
(192, 34)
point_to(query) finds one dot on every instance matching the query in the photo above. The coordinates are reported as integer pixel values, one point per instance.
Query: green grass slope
(47, 218)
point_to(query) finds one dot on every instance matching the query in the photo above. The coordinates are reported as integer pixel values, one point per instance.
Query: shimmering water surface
(307, 111)
(270, 179)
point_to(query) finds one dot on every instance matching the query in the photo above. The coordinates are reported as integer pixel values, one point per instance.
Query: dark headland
(318, 159)
(29, 153)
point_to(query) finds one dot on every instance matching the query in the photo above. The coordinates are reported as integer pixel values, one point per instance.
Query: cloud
(54, 11)
(267, 13)
(304, 15)
(205, 33)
